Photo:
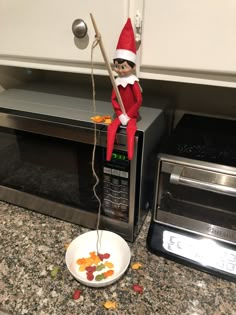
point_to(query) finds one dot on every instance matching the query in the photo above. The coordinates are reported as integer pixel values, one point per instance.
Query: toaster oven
(194, 218)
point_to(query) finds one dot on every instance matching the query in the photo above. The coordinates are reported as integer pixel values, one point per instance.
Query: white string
(95, 42)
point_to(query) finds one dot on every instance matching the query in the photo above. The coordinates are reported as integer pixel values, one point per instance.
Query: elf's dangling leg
(131, 130)
(111, 134)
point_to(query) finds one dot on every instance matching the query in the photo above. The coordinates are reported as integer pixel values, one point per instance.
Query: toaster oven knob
(79, 28)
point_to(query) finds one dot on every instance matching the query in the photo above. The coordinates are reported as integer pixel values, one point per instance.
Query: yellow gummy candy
(82, 267)
(110, 305)
(108, 264)
(136, 266)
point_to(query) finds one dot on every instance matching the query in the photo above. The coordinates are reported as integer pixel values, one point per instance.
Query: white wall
(209, 100)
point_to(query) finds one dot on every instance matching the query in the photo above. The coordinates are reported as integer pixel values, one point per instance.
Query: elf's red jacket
(132, 99)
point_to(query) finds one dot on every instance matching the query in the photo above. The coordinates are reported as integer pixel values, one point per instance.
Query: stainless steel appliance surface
(194, 219)
(47, 142)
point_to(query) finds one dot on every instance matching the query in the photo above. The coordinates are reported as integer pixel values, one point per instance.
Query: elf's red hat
(126, 48)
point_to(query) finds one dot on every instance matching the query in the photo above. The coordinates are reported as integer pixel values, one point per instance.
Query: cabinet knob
(79, 28)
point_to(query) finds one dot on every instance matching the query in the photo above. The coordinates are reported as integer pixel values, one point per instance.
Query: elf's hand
(124, 119)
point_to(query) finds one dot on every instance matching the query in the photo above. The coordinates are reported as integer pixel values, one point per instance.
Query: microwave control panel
(116, 187)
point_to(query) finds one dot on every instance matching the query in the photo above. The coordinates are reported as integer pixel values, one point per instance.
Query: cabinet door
(189, 35)
(40, 32)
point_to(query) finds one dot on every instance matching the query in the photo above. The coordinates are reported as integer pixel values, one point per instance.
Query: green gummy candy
(55, 271)
(99, 277)
(100, 267)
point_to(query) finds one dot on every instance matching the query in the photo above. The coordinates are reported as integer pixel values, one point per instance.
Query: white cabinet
(184, 40)
(38, 34)
(189, 40)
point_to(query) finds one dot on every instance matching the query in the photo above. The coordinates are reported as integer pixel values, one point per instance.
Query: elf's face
(123, 69)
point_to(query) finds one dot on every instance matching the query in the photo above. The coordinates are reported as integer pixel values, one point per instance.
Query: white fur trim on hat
(125, 54)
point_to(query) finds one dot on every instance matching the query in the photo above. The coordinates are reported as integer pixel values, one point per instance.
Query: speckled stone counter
(31, 244)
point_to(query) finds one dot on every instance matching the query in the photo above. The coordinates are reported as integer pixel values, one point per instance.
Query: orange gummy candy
(108, 273)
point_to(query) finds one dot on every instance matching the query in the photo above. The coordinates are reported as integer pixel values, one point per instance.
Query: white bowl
(109, 242)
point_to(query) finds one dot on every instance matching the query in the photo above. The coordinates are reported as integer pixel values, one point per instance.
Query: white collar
(124, 81)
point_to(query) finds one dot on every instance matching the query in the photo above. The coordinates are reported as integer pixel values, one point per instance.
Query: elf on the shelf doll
(130, 92)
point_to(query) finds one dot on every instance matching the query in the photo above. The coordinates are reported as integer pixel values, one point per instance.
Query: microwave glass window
(56, 169)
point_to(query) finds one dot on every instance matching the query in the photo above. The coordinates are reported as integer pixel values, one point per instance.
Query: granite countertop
(32, 244)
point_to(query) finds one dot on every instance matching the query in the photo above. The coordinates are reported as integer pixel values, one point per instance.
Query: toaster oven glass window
(196, 194)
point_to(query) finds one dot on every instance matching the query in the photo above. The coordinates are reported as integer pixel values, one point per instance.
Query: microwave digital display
(119, 157)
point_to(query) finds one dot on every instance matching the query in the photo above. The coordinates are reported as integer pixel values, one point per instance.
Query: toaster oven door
(196, 196)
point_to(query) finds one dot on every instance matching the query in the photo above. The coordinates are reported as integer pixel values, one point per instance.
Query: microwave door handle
(177, 179)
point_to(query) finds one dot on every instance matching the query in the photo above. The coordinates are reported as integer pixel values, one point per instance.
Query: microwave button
(115, 172)
(115, 199)
(107, 170)
(124, 208)
(124, 201)
(115, 206)
(115, 187)
(106, 191)
(124, 182)
(107, 197)
(124, 174)
(106, 185)
(124, 195)
(115, 193)
(124, 189)
(115, 181)
(107, 203)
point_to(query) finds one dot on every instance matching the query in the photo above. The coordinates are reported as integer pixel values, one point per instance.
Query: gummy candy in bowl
(98, 268)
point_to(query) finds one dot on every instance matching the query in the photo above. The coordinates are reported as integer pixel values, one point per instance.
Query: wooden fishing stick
(98, 36)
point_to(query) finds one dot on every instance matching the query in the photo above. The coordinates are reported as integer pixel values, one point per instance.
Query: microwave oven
(46, 146)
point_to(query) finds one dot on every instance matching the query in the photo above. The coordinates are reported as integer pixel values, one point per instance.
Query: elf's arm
(133, 110)
(115, 104)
